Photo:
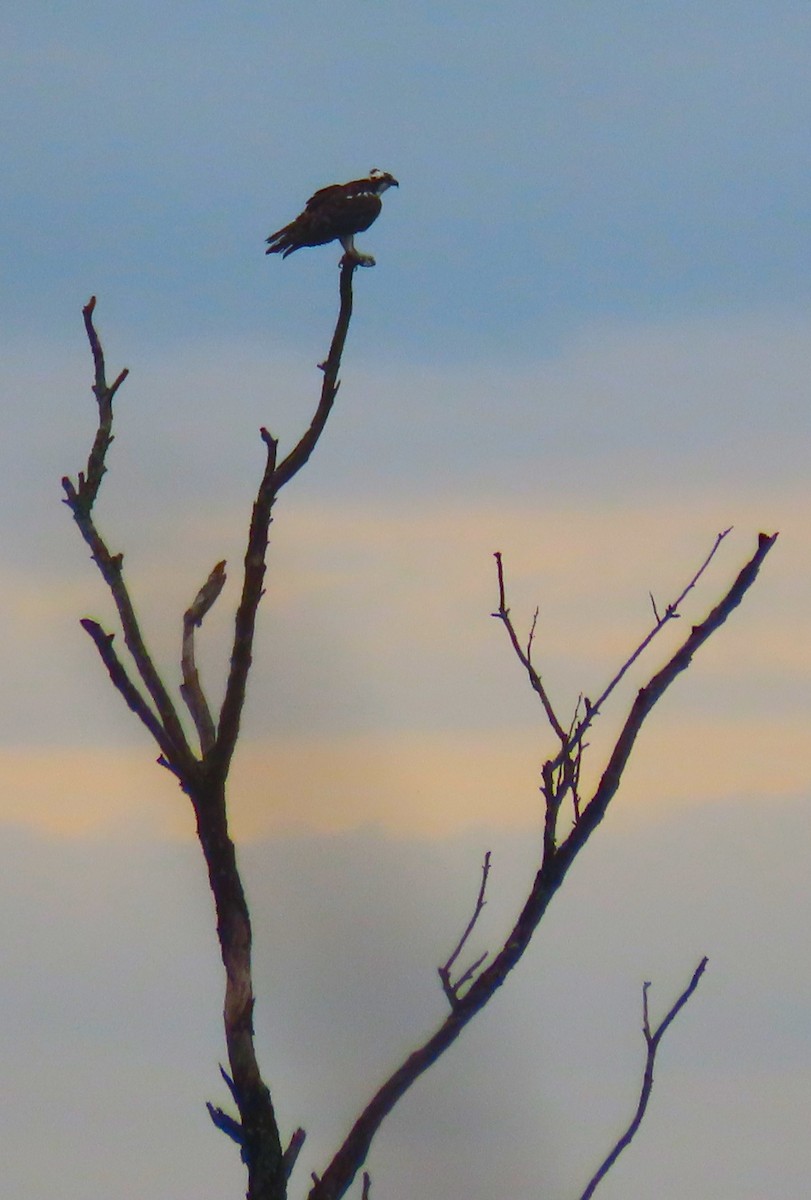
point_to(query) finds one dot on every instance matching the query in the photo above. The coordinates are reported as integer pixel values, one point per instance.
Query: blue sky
(580, 164)
(586, 344)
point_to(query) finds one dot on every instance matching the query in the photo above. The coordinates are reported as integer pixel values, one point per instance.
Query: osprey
(335, 213)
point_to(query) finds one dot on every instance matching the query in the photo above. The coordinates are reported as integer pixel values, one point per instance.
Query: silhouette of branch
(204, 778)
(652, 1040)
(90, 479)
(450, 989)
(121, 681)
(555, 864)
(80, 498)
(245, 620)
(292, 1152)
(649, 695)
(299, 455)
(524, 656)
(191, 689)
(671, 613)
(274, 478)
(228, 1124)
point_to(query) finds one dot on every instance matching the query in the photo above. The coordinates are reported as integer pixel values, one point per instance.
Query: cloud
(379, 670)
(417, 783)
(80, 792)
(383, 691)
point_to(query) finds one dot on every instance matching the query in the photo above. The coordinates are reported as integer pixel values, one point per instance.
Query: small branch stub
(191, 689)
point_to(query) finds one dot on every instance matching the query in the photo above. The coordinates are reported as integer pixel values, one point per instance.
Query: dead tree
(201, 765)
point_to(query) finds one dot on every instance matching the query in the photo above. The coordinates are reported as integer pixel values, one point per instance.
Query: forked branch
(671, 613)
(649, 695)
(90, 479)
(652, 1040)
(560, 775)
(525, 656)
(449, 987)
(555, 864)
(80, 499)
(203, 776)
(274, 479)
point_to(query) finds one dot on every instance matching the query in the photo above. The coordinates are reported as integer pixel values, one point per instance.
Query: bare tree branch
(670, 614)
(204, 779)
(80, 499)
(450, 989)
(349, 1158)
(503, 615)
(124, 685)
(299, 455)
(191, 689)
(110, 566)
(274, 478)
(648, 696)
(245, 621)
(292, 1152)
(90, 480)
(652, 1040)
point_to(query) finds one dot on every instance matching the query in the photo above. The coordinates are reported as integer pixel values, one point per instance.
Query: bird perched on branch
(336, 213)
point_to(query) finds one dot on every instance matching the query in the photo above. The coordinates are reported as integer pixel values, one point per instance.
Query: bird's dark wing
(327, 195)
(329, 214)
(350, 214)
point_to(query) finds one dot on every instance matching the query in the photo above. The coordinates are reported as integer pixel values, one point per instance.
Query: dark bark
(557, 860)
(203, 775)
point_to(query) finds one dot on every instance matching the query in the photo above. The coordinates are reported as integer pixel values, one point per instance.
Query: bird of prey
(336, 213)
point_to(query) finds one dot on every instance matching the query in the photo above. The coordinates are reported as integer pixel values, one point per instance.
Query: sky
(585, 345)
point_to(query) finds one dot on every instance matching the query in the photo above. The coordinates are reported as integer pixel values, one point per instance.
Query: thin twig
(670, 614)
(451, 990)
(653, 691)
(652, 1040)
(503, 614)
(532, 629)
(226, 1123)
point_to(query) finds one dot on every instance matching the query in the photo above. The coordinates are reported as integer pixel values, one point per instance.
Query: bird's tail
(281, 242)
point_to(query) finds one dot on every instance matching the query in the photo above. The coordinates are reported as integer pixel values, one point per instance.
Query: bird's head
(381, 180)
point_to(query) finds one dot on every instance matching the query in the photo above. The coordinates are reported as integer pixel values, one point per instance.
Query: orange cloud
(416, 783)
(378, 595)
(77, 792)
(434, 784)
